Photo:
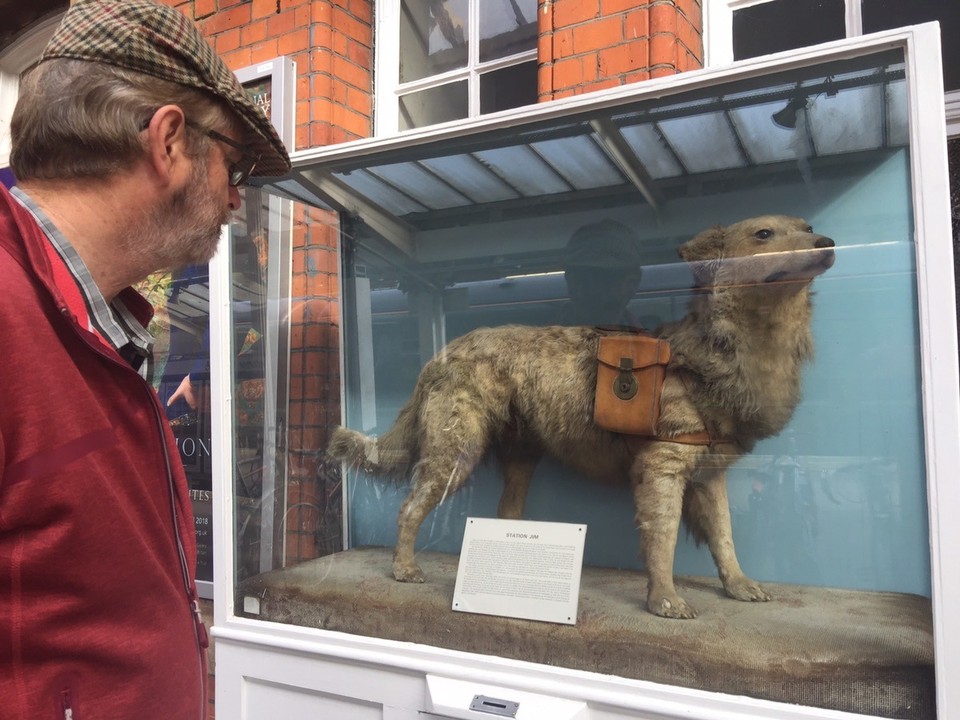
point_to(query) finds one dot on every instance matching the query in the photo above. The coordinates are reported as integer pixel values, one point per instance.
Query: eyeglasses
(240, 170)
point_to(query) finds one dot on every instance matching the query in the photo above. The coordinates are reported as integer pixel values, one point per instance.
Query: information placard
(521, 569)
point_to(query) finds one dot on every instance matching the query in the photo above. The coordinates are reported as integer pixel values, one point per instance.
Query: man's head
(602, 268)
(108, 68)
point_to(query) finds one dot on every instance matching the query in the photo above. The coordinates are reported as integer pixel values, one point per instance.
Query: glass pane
(476, 327)
(436, 105)
(508, 87)
(786, 24)
(507, 27)
(433, 37)
(888, 14)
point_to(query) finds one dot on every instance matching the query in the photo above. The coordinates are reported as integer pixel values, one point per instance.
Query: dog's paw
(747, 590)
(671, 607)
(410, 574)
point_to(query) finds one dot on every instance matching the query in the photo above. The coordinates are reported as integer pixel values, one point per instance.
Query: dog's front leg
(709, 511)
(659, 478)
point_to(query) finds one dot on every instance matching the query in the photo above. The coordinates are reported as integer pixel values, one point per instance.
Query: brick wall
(588, 45)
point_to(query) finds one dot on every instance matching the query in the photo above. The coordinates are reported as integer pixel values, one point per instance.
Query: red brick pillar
(331, 43)
(588, 45)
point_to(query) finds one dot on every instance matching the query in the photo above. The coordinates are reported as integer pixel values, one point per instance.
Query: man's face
(195, 214)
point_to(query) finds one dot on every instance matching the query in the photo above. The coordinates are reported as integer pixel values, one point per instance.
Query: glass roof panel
(848, 121)
(647, 145)
(525, 171)
(380, 193)
(764, 140)
(470, 177)
(581, 161)
(421, 184)
(703, 142)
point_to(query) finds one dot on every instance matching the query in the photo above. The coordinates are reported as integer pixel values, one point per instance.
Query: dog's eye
(763, 234)
(808, 229)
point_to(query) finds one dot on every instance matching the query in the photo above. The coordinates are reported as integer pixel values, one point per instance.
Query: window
(457, 59)
(785, 25)
(888, 14)
(740, 29)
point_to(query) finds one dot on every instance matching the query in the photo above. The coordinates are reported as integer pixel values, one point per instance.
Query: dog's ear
(704, 253)
(708, 245)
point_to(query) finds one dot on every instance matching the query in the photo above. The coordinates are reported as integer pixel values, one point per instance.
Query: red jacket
(97, 547)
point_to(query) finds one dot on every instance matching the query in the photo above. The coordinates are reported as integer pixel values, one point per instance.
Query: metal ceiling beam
(389, 226)
(619, 150)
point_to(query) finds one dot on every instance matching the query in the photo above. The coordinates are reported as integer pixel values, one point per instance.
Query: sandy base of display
(863, 652)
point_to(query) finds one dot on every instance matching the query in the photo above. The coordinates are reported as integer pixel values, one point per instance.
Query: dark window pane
(436, 105)
(509, 87)
(889, 14)
(433, 37)
(507, 27)
(785, 25)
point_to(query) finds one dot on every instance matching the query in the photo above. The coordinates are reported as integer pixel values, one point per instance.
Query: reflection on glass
(433, 37)
(507, 27)
(435, 105)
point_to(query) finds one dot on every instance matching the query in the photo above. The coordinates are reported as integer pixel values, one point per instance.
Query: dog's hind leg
(659, 477)
(455, 432)
(706, 511)
(436, 477)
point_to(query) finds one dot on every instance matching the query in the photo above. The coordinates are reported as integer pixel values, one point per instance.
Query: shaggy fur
(523, 391)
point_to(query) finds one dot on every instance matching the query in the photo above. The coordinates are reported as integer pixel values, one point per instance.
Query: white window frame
(20, 55)
(718, 43)
(387, 86)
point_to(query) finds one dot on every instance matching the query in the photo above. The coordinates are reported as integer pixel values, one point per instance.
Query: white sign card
(521, 569)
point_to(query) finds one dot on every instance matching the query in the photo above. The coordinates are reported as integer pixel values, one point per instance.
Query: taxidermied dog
(734, 374)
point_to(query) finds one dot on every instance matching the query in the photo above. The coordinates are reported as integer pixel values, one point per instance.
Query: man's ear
(166, 142)
(704, 253)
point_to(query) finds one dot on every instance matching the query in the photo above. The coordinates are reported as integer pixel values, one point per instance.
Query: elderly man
(130, 139)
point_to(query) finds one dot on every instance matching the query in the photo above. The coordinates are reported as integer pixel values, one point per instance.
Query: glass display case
(783, 225)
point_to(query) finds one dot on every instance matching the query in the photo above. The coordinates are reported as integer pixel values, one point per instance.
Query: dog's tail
(392, 454)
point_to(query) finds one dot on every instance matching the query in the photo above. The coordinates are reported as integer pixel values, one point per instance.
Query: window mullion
(473, 59)
(854, 18)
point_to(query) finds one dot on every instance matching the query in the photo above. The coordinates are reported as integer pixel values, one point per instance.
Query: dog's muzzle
(821, 257)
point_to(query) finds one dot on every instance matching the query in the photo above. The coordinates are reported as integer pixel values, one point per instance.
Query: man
(129, 141)
(602, 267)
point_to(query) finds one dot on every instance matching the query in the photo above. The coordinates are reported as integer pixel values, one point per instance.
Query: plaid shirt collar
(114, 322)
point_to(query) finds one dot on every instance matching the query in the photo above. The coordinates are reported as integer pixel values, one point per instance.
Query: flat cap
(157, 40)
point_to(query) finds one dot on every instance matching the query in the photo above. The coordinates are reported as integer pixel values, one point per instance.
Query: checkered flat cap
(157, 40)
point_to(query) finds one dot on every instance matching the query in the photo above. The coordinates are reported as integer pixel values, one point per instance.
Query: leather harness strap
(635, 442)
(701, 437)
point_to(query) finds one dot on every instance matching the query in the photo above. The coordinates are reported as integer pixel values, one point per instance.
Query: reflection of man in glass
(602, 268)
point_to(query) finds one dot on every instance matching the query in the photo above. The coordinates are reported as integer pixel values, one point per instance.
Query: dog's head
(766, 249)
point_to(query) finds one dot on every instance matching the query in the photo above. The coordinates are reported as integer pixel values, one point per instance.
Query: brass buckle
(625, 384)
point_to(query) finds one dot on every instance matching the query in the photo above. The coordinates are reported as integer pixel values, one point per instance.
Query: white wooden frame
(407, 681)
